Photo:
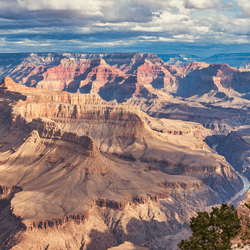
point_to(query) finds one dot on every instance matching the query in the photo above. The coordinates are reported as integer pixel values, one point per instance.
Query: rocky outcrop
(6, 191)
(62, 112)
(203, 79)
(89, 76)
(79, 218)
(189, 67)
(36, 104)
(156, 75)
(50, 130)
(178, 185)
(129, 246)
(240, 82)
(57, 223)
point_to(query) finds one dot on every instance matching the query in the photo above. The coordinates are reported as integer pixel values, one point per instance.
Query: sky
(198, 27)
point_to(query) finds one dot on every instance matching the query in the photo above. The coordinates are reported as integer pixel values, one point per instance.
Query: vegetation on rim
(214, 230)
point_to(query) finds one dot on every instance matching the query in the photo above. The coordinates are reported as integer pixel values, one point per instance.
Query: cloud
(90, 7)
(202, 4)
(120, 23)
(244, 6)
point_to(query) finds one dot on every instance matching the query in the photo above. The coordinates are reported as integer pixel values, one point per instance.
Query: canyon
(114, 151)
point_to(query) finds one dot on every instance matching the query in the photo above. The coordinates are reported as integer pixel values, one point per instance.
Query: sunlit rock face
(78, 172)
(100, 151)
(121, 76)
(112, 76)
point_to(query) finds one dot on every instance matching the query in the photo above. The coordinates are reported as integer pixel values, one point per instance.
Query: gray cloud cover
(123, 25)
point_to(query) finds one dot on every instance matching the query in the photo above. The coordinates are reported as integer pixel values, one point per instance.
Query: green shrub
(214, 230)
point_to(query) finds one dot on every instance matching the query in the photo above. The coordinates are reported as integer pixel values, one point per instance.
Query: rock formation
(78, 172)
(122, 76)
(88, 73)
(81, 171)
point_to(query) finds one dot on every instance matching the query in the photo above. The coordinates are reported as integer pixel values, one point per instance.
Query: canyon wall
(82, 173)
(120, 76)
(120, 157)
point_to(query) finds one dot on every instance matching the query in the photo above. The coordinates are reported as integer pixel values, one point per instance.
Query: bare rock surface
(78, 172)
(129, 246)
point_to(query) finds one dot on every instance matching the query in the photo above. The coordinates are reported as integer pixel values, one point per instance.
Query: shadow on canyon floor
(10, 227)
(139, 232)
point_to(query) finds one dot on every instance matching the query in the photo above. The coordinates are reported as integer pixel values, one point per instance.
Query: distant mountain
(179, 60)
(239, 60)
(232, 59)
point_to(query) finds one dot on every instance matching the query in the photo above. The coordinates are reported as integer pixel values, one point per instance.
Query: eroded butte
(78, 172)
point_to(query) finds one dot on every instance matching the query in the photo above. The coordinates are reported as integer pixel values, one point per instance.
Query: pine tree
(213, 231)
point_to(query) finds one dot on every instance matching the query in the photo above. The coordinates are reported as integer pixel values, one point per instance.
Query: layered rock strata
(121, 74)
(82, 173)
